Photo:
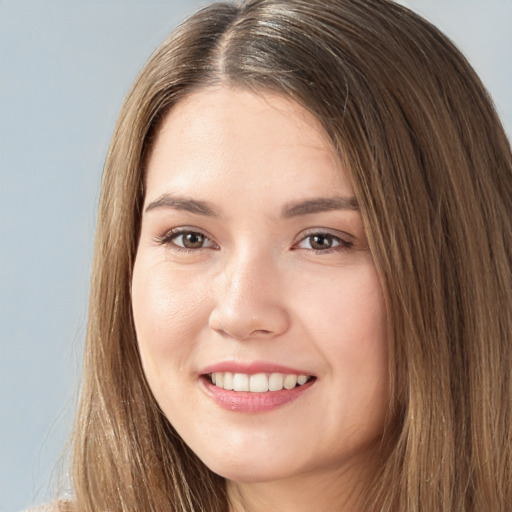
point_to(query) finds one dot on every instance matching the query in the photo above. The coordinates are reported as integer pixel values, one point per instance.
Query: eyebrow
(294, 209)
(183, 203)
(320, 204)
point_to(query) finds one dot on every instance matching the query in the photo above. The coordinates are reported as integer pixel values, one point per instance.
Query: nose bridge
(248, 302)
(247, 273)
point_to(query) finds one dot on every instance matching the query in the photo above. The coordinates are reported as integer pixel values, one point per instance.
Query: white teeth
(275, 382)
(301, 379)
(228, 381)
(290, 381)
(240, 382)
(258, 382)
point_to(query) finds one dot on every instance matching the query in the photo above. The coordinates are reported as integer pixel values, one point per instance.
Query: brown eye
(190, 240)
(319, 242)
(193, 240)
(323, 242)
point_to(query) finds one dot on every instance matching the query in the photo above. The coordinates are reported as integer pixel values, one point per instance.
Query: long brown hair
(432, 172)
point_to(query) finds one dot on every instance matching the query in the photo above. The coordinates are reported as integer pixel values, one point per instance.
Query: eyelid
(346, 241)
(171, 234)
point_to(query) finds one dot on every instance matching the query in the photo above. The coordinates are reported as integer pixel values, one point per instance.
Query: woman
(302, 280)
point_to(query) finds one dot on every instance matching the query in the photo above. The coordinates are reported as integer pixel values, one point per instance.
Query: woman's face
(253, 272)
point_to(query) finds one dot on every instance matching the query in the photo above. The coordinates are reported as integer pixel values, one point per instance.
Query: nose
(249, 300)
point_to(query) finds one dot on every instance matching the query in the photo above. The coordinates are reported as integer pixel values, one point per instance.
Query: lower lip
(244, 401)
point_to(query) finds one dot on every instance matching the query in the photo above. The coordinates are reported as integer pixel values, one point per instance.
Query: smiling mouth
(258, 382)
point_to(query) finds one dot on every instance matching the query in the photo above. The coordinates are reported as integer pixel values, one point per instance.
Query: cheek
(362, 329)
(362, 336)
(346, 313)
(349, 327)
(169, 313)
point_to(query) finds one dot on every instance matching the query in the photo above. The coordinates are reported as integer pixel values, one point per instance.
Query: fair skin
(253, 260)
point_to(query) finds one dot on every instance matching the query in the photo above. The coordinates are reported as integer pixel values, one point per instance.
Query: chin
(242, 466)
(251, 472)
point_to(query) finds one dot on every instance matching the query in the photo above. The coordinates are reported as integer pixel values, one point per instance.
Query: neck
(339, 490)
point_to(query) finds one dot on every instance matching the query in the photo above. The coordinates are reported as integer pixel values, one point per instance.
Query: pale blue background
(64, 69)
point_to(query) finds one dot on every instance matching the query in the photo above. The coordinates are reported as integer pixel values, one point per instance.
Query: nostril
(261, 317)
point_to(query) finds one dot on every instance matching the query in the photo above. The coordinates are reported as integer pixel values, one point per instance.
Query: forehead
(240, 138)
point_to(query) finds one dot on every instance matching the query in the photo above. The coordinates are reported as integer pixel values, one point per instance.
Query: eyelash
(170, 237)
(342, 244)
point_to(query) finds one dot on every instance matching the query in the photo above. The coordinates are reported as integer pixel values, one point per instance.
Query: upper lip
(251, 368)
